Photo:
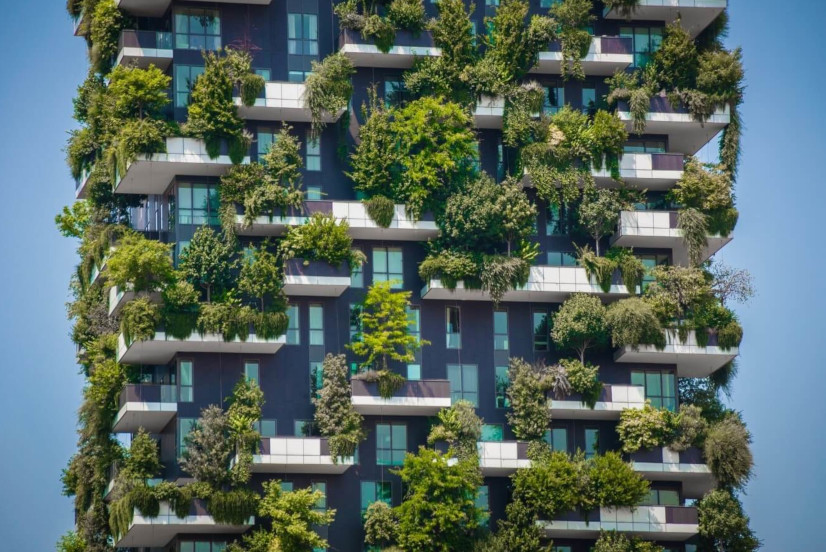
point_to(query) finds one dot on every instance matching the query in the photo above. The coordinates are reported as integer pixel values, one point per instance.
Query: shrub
(530, 415)
(583, 379)
(500, 273)
(614, 483)
(727, 452)
(329, 88)
(380, 525)
(553, 484)
(630, 267)
(459, 427)
(691, 428)
(407, 14)
(295, 516)
(573, 17)
(381, 210)
(136, 136)
(104, 32)
(599, 268)
(207, 453)
(321, 238)
(139, 320)
(388, 382)
(579, 324)
(450, 267)
(380, 30)
(645, 428)
(724, 525)
(612, 541)
(633, 322)
(139, 264)
(228, 318)
(208, 261)
(233, 507)
(335, 416)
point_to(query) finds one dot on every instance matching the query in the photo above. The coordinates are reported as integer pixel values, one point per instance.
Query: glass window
(414, 372)
(660, 388)
(464, 382)
(500, 330)
(591, 442)
(197, 29)
(561, 549)
(561, 258)
(313, 193)
(375, 491)
(321, 503)
(251, 371)
(541, 331)
(394, 93)
(558, 438)
(391, 444)
(649, 262)
(387, 266)
(185, 425)
(662, 497)
(645, 41)
(355, 321)
(267, 136)
(293, 333)
(316, 378)
(502, 381)
(287, 486)
(644, 146)
(553, 222)
(266, 427)
(482, 503)
(548, 3)
(302, 428)
(453, 328)
(198, 204)
(589, 100)
(185, 76)
(316, 325)
(313, 158)
(554, 99)
(357, 275)
(500, 161)
(492, 432)
(302, 44)
(186, 389)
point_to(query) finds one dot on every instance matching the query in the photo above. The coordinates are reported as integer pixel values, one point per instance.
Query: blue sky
(780, 196)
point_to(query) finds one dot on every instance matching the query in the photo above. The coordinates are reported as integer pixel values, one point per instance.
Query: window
(287, 486)
(355, 322)
(548, 3)
(313, 193)
(266, 427)
(316, 325)
(251, 371)
(375, 491)
(558, 438)
(414, 372)
(644, 146)
(464, 382)
(185, 425)
(589, 100)
(414, 328)
(302, 44)
(321, 503)
(302, 428)
(660, 388)
(391, 444)
(474, 160)
(492, 432)
(561, 549)
(591, 442)
(662, 497)
(316, 378)
(394, 93)
(185, 76)
(644, 40)
(202, 546)
(267, 136)
(553, 222)
(186, 389)
(387, 266)
(357, 275)
(500, 161)
(554, 99)
(540, 331)
(500, 330)
(561, 258)
(293, 334)
(502, 381)
(453, 328)
(649, 262)
(313, 158)
(197, 29)
(482, 503)
(197, 204)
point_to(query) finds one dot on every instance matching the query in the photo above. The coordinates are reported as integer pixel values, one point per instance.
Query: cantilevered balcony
(161, 348)
(362, 227)
(662, 523)
(545, 283)
(315, 278)
(283, 101)
(606, 55)
(694, 15)
(152, 174)
(157, 8)
(613, 400)
(406, 48)
(685, 133)
(651, 171)
(687, 467)
(658, 230)
(298, 455)
(691, 359)
(147, 406)
(157, 532)
(415, 398)
(145, 48)
(502, 458)
(119, 297)
(489, 112)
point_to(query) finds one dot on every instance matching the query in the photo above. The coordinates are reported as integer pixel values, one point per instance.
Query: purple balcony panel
(265, 446)
(667, 161)
(296, 267)
(325, 447)
(685, 515)
(403, 38)
(673, 218)
(615, 45)
(659, 104)
(419, 389)
(692, 455)
(198, 508)
(145, 39)
(653, 456)
(522, 450)
(325, 207)
(135, 392)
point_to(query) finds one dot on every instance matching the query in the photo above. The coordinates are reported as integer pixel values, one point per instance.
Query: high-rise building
(617, 97)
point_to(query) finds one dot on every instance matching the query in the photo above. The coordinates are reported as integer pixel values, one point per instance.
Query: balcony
(118, 298)
(662, 523)
(614, 399)
(298, 455)
(152, 174)
(163, 348)
(691, 360)
(157, 8)
(545, 283)
(315, 278)
(415, 398)
(687, 467)
(489, 112)
(146, 532)
(362, 227)
(82, 184)
(658, 230)
(502, 458)
(283, 101)
(652, 171)
(695, 15)
(685, 134)
(145, 48)
(79, 24)
(146, 406)
(406, 48)
(606, 55)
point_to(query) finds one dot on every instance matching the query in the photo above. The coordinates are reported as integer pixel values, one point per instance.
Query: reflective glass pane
(414, 372)
(653, 384)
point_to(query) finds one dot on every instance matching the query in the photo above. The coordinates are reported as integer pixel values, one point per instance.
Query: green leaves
(138, 93)
(724, 525)
(529, 415)
(139, 264)
(335, 416)
(321, 238)
(460, 428)
(727, 452)
(329, 88)
(208, 261)
(579, 324)
(646, 428)
(294, 516)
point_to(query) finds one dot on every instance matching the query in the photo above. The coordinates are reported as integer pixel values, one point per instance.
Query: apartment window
(202, 546)
(500, 330)
(453, 328)
(293, 333)
(554, 99)
(313, 157)
(649, 262)
(313, 193)
(660, 388)
(474, 160)
(186, 387)
(316, 378)
(644, 146)
(387, 266)
(185, 76)
(589, 100)
(267, 136)
(356, 310)
(482, 503)
(492, 432)
(185, 425)
(302, 44)
(644, 40)
(591, 442)
(662, 497)
(302, 428)
(548, 3)
(553, 221)
(197, 29)
(561, 549)
(266, 427)
(501, 383)
(395, 93)
(561, 258)
(375, 491)
(541, 331)
(321, 503)
(464, 382)
(316, 325)
(197, 204)
(357, 274)
(414, 372)
(557, 438)
(500, 161)
(251, 371)
(414, 328)
(391, 444)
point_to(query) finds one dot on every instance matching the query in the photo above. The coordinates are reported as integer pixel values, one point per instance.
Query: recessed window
(660, 388)
(501, 386)
(500, 330)
(321, 503)
(356, 328)
(357, 274)
(302, 428)
(313, 193)
(313, 158)
(662, 497)
(267, 428)
(394, 93)
(202, 546)
(645, 41)
(316, 325)
(391, 444)
(554, 100)
(561, 258)
(557, 438)
(591, 442)
(185, 76)
(541, 331)
(644, 146)
(251, 371)
(197, 204)
(492, 432)
(293, 334)
(589, 100)
(464, 382)
(453, 327)
(186, 389)
(302, 44)
(316, 378)
(197, 29)
(388, 266)
(375, 491)
(482, 504)
(185, 425)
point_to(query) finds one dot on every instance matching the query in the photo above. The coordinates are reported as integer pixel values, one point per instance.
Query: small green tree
(71, 542)
(600, 210)
(73, 221)
(243, 412)
(261, 276)
(573, 17)
(207, 262)
(459, 427)
(335, 416)
(633, 322)
(374, 160)
(530, 412)
(294, 515)
(553, 484)
(386, 328)
(724, 525)
(321, 238)
(329, 88)
(380, 525)
(691, 428)
(142, 461)
(207, 449)
(646, 428)
(138, 92)
(614, 483)
(140, 264)
(580, 324)
(727, 452)
(612, 541)
(438, 513)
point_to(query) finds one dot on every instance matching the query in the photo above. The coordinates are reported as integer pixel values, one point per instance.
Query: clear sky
(780, 192)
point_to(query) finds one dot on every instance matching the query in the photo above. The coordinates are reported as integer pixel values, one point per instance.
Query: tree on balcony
(139, 264)
(724, 525)
(335, 416)
(529, 415)
(613, 541)
(208, 261)
(579, 324)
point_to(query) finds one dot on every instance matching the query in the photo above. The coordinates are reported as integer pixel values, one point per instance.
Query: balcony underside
(279, 463)
(595, 64)
(695, 15)
(671, 532)
(399, 406)
(159, 531)
(692, 361)
(400, 229)
(157, 8)
(669, 238)
(576, 410)
(685, 134)
(317, 286)
(399, 57)
(696, 479)
(144, 57)
(152, 416)
(152, 175)
(161, 349)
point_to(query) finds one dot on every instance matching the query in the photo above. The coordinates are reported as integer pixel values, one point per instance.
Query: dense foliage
(335, 416)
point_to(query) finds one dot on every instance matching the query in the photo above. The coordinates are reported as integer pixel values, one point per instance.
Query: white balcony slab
(144, 57)
(658, 230)
(599, 60)
(641, 170)
(545, 283)
(160, 530)
(489, 112)
(650, 522)
(119, 297)
(398, 57)
(622, 397)
(152, 174)
(696, 479)
(157, 8)
(162, 348)
(151, 416)
(298, 455)
(415, 398)
(691, 360)
(501, 458)
(685, 134)
(317, 286)
(694, 15)
(283, 101)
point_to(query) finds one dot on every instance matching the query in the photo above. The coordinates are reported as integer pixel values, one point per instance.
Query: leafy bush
(380, 31)
(208, 261)
(229, 318)
(630, 267)
(381, 210)
(573, 17)
(708, 189)
(107, 21)
(727, 452)
(321, 238)
(136, 136)
(335, 416)
(294, 517)
(450, 268)
(599, 268)
(207, 453)
(139, 264)
(625, 8)
(691, 428)
(645, 428)
(138, 93)
(553, 484)
(501, 273)
(139, 320)
(579, 324)
(329, 88)
(407, 14)
(530, 415)
(613, 482)
(633, 322)
(233, 507)
(724, 525)
(261, 276)
(612, 541)
(459, 427)
(388, 382)
(583, 379)
(380, 525)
